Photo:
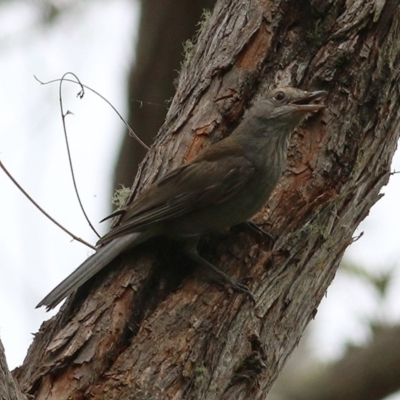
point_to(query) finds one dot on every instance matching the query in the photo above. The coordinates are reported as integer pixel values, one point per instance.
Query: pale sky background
(94, 40)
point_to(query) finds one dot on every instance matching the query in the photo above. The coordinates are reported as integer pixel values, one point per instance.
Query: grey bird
(225, 185)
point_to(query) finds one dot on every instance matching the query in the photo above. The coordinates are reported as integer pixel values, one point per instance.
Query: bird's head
(288, 106)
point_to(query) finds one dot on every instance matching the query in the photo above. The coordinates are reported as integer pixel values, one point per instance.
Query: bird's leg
(252, 226)
(191, 251)
(221, 275)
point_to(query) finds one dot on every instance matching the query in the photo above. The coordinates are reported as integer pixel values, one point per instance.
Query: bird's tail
(103, 256)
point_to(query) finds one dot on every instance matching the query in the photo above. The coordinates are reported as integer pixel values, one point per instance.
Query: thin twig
(80, 94)
(130, 130)
(41, 209)
(149, 103)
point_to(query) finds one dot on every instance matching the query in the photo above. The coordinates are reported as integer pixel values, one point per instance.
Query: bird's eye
(279, 96)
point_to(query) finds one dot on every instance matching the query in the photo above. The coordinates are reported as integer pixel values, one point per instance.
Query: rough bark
(164, 28)
(149, 327)
(9, 390)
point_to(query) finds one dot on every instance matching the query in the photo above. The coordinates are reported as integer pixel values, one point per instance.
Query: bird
(225, 185)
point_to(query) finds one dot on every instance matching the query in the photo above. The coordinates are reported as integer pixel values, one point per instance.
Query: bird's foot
(253, 227)
(236, 286)
(221, 277)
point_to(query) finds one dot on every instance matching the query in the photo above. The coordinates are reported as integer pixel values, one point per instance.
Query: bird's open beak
(311, 102)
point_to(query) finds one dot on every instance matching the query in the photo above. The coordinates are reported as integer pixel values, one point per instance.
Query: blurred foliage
(48, 11)
(379, 281)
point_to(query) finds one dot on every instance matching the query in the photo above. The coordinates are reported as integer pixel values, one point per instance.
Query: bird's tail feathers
(96, 262)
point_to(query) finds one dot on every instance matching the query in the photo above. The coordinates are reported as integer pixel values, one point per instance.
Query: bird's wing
(191, 187)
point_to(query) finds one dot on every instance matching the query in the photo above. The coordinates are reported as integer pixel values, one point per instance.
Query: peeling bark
(150, 327)
(9, 390)
(164, 27)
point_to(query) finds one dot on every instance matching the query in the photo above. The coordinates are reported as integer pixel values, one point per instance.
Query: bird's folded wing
(191, 187)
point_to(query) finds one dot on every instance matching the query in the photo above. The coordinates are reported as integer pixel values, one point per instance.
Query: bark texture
(9, 390)
(149, 327)
(164, 27)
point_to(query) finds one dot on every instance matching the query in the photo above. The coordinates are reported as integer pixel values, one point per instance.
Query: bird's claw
(222, 278)
(239, 287)
(236, 286)
(253, 227)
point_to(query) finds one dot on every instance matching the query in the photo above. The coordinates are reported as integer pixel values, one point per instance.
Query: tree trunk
(150, 327)
(164, 28)
(9, 390)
